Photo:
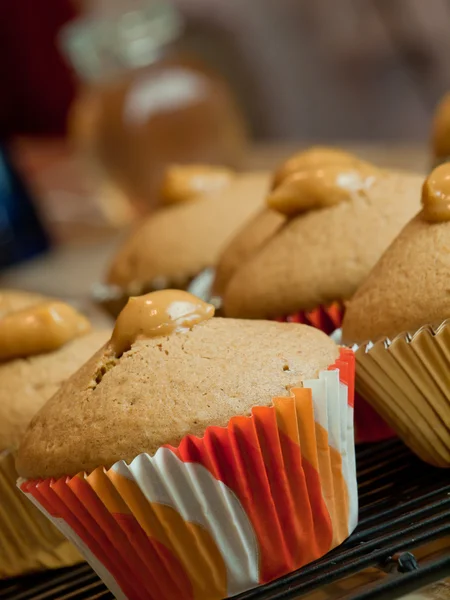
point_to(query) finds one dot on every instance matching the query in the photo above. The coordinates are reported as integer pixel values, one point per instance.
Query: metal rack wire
(404, 504)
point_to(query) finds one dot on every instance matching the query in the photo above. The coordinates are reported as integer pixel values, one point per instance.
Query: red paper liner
(218, 515)
(369, 425)
(326, 318)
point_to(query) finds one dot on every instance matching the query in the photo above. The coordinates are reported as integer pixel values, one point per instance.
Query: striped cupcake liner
(218, 515)
(407, 381)
(28, 541)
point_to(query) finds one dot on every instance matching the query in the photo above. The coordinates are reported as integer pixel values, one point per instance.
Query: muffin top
(41, 344)
(188, 236)
(169, 370)
(409, 286)
(340, 217)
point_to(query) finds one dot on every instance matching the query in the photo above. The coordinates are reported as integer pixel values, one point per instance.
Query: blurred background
(98, 96)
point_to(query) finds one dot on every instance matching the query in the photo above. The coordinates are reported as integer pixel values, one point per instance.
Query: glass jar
(145, 104)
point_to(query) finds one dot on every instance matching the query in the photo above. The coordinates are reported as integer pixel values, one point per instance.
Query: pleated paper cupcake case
(407, 380)
(224, 513)
(326, 318)
(28, 541)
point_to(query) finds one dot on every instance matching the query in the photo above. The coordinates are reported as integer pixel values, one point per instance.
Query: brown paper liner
(28, 541)
(407, 381)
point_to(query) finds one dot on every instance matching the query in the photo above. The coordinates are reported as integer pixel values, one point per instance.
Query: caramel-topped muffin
(40, 346)
(213, 442)
(409, 286)
(169, 370)
(208, 206)
(340, 215)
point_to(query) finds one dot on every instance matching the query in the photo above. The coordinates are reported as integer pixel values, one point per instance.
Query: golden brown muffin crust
(165, 388)
(186, 238)
(26, 384)
(323, 255)
(256, 232)
(409, 287)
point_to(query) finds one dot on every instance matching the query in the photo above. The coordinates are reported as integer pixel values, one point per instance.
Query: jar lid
(101, 45)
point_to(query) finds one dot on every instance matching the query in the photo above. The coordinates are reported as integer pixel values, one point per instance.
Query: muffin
(207, 205)
(190, 449)
(42, 342)
(403, 308)
(340, 217)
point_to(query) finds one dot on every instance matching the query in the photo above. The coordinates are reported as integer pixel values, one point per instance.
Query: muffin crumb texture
(166, 387)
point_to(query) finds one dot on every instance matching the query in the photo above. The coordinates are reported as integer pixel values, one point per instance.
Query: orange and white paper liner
(218, 515)
(407, 381)
(28, 541)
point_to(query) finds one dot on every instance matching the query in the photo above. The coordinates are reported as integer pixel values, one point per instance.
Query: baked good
(210, 419)
(204, 390)
(179, 241)
(340, 218)
(403, 309)
(42, 343)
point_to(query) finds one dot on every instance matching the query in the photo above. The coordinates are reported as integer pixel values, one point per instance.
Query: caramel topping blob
(41, 328)
(436, 195)
(440, 135)
(182, 183)
(320, 187)
(157, 314)
(314, 157)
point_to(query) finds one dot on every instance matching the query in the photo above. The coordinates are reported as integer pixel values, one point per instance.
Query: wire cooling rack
(404, 508)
